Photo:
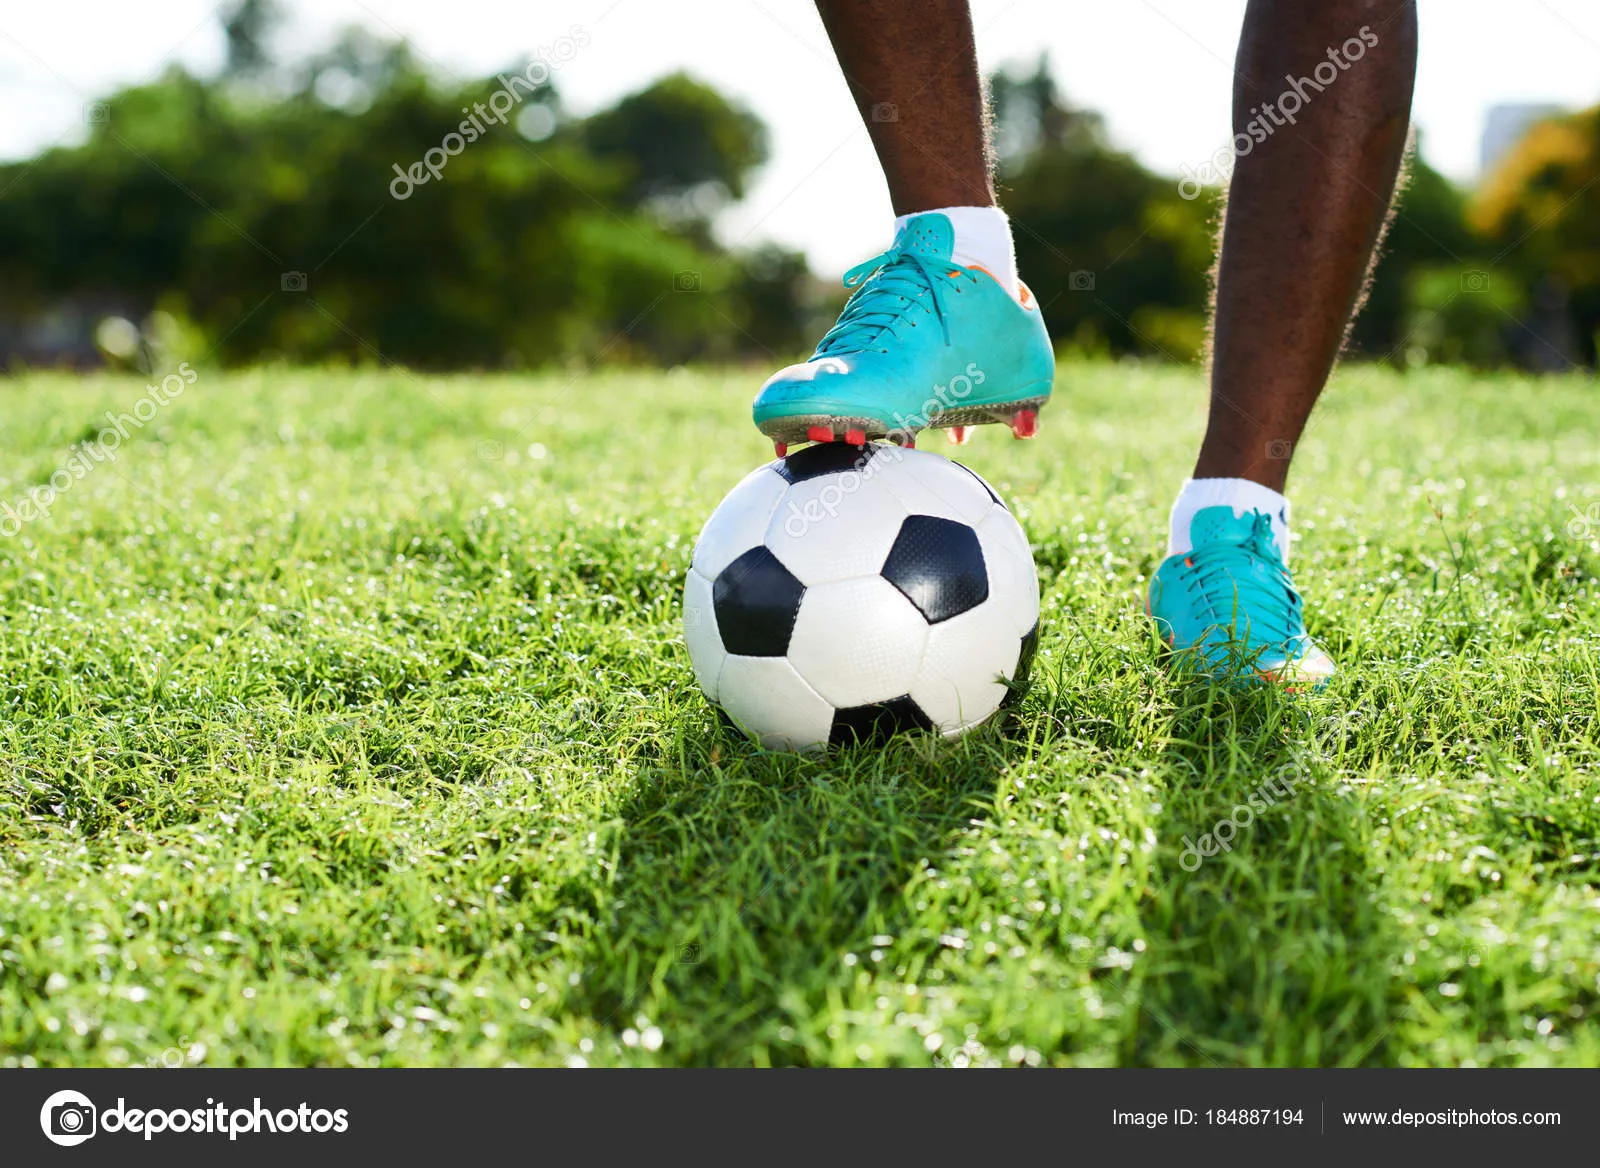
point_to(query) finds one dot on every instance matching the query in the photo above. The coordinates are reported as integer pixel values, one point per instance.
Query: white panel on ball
(959, 489)
(958, 685)
(766, 695)
(858, 641)
(1013, 580)
(835, 526)
(739, 522)
(700, 632)
(916, 496)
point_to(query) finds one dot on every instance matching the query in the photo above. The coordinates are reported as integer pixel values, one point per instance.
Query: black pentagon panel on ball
(1021, 676)
(756, 600)
(875, 724)
(938, 564)
(824, 458)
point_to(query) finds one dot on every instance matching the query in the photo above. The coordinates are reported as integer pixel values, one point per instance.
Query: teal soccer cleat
(1229, 605)
(922, 343)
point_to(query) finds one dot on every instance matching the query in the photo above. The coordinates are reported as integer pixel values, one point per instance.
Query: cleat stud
(781, 449)
(819, 434)
(856, 437)
(1025, 423)
(959, 435)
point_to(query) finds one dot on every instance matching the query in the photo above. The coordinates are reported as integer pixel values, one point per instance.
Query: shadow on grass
(1269, 940)
(744, 878)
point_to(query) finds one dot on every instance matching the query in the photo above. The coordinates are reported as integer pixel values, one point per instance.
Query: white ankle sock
(1240, 494)
(983, 238)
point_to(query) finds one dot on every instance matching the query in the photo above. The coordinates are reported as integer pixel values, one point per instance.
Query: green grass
(329, 737)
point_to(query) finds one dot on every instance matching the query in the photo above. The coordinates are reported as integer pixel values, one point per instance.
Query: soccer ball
(844, 593)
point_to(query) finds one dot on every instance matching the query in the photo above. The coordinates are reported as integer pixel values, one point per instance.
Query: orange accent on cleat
(1025, 423)
(856, 437)
(781, 449)
(819, 434)
(960, 435)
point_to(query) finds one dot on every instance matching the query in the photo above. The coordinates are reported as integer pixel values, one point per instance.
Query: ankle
(1242, 495)
(982, 240)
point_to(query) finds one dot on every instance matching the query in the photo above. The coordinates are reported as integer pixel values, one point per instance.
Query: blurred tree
(1116, 256)
(1427, 233)
(1539, 212)
(355, 68)
(771, 284)
(677, 137)
(1457, 315)
(248, 26)
(262, 212)
(270, 226)
(1121, 260)
(1029, 115)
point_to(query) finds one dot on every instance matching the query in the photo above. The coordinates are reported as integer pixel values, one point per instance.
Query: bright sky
(1159, 70)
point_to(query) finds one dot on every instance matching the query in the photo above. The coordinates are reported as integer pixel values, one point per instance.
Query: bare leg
(1305, 212)
(913, 71)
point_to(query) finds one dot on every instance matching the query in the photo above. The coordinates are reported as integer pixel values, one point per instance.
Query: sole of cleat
(1025, 424)
(856, 428)
(959, 435)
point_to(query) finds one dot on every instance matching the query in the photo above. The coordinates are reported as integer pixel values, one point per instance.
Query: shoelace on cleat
(1225, 576)
(887, 286)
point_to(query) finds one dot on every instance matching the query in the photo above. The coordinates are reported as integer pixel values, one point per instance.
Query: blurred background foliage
(249, 217)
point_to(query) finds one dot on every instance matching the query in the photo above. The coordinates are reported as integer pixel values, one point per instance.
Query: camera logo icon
(1081, 281)
(292, 281)
(1474, 281)
(686, 281)
(68, 1118)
